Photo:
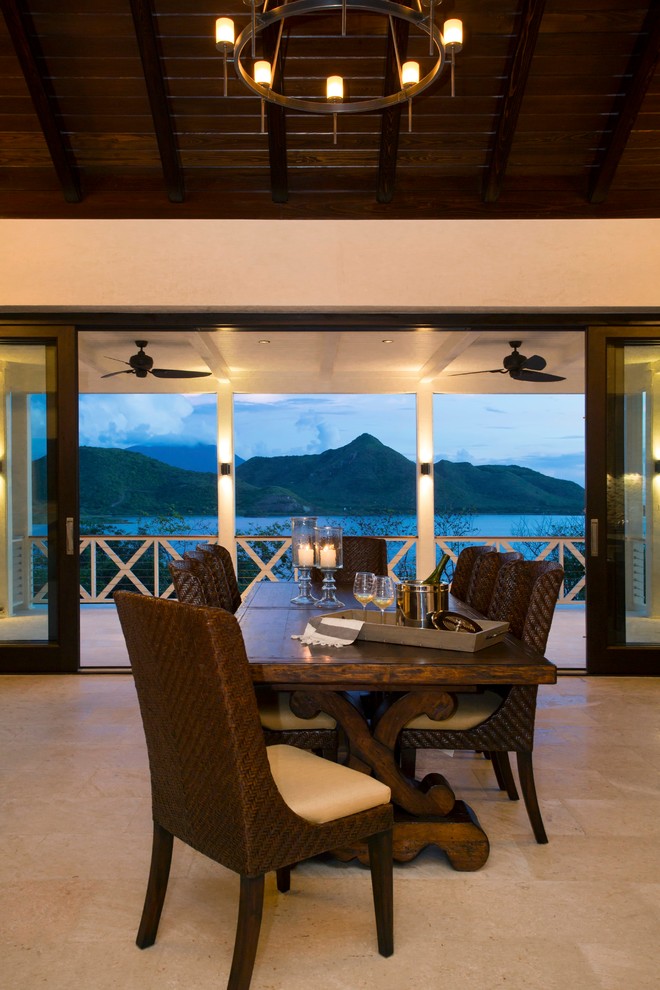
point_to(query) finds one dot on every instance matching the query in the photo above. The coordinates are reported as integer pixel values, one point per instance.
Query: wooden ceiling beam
(641, 70)
(29, 54)
(276, 116)
(391, 118)
(530, 22)
(144, 21)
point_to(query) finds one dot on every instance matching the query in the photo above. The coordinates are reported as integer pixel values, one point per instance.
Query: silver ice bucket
(415, 601)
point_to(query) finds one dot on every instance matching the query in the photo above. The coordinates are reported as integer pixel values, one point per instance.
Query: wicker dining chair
(359, 553)
(195, 584)
(500, 721)
(187, 585)
(465, 562)
(218, 788)
(216, 590)
(484, 575)
(219, 558)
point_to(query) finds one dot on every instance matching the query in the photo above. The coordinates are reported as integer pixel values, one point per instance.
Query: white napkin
(330, 631)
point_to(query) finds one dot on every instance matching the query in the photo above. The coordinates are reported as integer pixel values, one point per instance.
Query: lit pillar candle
(263, 76)
(328, 556)
(224, 39)
(224, 31)
(453, 40)
(305, 555)
(262, 73)
(452, 33)
(335, 88)
(410, 73)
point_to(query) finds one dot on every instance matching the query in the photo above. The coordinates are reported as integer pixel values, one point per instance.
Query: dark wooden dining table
(411, 680)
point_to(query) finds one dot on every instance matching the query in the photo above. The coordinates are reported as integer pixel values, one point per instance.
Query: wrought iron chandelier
(442, 49)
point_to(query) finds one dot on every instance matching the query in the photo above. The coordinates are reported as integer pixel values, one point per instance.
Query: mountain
(199, 457)
(125, 483)
(367, 477)
(363, 478)
(503, 488)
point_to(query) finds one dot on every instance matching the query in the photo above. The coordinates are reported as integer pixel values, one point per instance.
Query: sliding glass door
(38, 517)
(623, 519)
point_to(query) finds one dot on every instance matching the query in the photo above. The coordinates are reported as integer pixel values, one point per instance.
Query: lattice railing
(566, 551)
(139, 563)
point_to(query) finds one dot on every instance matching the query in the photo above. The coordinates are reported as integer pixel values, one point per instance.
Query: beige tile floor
(582, 912)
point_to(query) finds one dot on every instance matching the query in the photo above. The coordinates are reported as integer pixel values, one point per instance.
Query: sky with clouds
(542, 432)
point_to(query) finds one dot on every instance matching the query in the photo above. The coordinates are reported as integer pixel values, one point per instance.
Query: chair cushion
(319, 790)
(275, 713)
(471, 710)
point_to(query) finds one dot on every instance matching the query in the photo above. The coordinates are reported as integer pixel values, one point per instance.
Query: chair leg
(502, 768)
(159, 872)
(250, 909)
(408, 760)
(380, 862)
(496, 770)
(283, 876)
(526, 774)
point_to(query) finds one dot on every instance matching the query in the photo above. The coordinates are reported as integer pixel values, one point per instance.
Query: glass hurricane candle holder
(328, 557)
(302, 551)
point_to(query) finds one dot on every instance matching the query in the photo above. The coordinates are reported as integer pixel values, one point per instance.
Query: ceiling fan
(519, 367)
(141, 365)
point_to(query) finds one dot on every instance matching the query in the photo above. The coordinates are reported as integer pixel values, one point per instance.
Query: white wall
(427, 265)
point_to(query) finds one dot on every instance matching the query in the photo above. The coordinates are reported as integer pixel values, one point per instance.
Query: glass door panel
(25, 463)
(625, 517)
(37, 538)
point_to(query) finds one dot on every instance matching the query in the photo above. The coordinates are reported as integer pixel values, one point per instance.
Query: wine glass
(363, 588)
(383, 594)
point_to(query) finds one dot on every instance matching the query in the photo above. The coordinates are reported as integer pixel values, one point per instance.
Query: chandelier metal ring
(385, 8)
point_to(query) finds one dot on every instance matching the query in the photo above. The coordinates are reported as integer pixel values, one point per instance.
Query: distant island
(365, 477)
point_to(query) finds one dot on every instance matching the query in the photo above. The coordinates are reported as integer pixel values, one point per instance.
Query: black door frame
(596, 324)
(60, 654)
(602, 578)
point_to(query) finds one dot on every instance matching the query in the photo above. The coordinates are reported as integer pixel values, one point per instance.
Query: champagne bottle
(435, 577)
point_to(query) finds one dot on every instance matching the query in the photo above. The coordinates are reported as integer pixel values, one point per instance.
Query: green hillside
(364, 477)
(124, 483)
(367, 477)
(503, 488)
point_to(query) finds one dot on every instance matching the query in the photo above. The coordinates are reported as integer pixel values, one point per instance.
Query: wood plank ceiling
(115, 108)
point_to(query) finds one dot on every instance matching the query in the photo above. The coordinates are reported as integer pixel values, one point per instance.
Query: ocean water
(478, 525)
(485, 525)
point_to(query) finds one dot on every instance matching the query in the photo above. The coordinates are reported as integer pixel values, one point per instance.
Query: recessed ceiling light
(264, 342)
(388, 341)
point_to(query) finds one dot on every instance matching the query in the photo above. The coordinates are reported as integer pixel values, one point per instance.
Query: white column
(5, 531)
(425, 484)
(226, 482)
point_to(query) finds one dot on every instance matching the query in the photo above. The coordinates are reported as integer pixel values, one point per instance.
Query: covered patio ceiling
(349, 360)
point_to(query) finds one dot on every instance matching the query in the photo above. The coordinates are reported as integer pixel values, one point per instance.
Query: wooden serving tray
(391, 631)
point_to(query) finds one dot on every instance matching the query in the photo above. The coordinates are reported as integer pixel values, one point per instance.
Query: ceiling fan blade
(536, 376)
(171, 373)
(113, 373)
(108, 358)
(483, 371)
(535, 363)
